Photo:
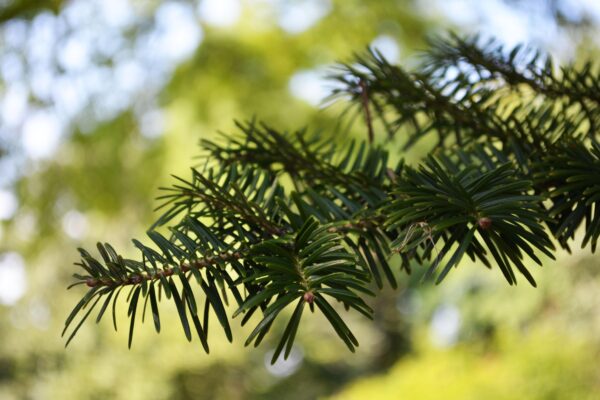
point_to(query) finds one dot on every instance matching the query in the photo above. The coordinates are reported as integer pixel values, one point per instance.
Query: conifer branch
(508, 175)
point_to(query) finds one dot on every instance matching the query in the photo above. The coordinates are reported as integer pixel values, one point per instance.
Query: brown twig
(365, 104)
(165, 272)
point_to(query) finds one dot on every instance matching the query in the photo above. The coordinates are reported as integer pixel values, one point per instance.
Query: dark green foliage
(571, 174)
(484, 212)
(306, 268)
(516, 158)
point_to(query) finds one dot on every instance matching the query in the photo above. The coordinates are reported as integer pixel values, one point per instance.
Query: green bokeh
(513, 342)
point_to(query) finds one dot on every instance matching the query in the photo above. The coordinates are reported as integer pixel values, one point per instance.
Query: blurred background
(100, 100)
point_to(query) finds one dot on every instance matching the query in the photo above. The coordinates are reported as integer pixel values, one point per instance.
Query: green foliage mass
(541, 366)
(234, 228)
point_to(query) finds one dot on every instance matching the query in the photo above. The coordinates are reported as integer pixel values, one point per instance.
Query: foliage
(498, 180)
(540, 366)
(27, 8)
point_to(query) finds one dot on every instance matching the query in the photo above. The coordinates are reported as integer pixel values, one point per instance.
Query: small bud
(91, 282)
(391, 175)
(309, 297)
(167, 272)
(135, 279)
(484, 223)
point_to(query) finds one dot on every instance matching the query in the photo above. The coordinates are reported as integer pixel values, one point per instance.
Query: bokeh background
(100, 100)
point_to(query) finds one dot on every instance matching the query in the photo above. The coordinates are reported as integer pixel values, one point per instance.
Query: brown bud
(135, 279)
(309, 297)
(484, 223)
(91, 282)
(391, 174)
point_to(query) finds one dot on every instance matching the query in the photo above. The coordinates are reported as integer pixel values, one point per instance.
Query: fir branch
(470, 208)
(496, 66)
(507, 169)
(570, 175)
(521, 65)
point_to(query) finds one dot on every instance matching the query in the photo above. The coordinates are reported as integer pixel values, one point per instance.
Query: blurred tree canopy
(27, 8)
(100, 101)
